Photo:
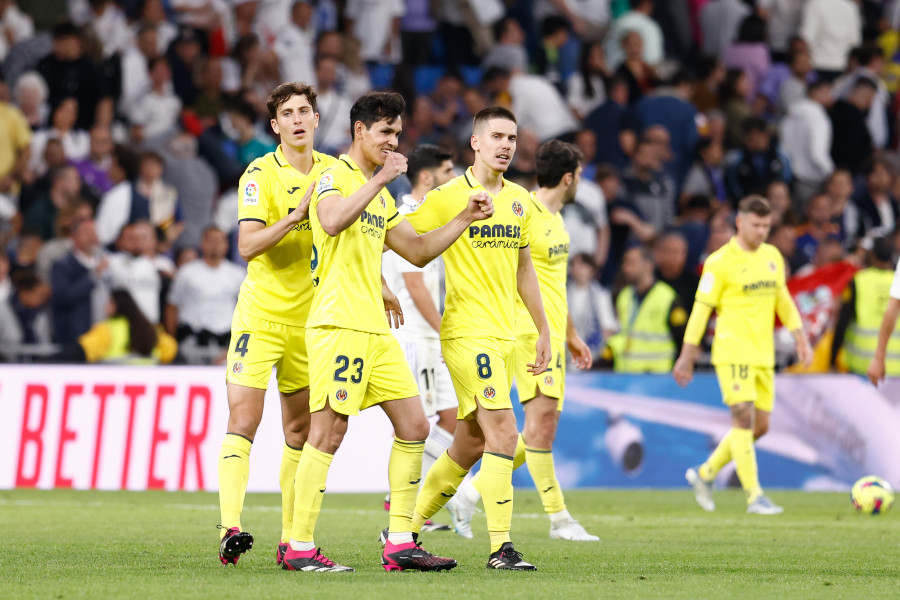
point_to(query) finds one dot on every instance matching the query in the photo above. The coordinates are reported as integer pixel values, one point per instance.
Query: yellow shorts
(353, 370)
(550, 383)
(257, 345)
(743, 383)
(481, 370)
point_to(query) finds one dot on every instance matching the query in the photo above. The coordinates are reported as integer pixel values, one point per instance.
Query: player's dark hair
(492, 112)
(376, 106)
(554, 159)
(755, 204)
(424, 157)
(285, 92)
(142, 334)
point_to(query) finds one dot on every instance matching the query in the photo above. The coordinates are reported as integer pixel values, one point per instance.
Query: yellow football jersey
(277, 287)
(743, 288)
(481, 265)
(550, 255)
(346, 268)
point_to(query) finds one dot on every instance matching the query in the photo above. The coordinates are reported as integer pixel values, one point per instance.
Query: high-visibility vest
(644, 344)
(872, 292)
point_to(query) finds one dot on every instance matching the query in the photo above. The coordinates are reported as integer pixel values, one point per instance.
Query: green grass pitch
(655, 544)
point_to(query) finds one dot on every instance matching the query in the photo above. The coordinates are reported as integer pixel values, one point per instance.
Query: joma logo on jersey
(368, 218)
(496, 231)
(557, 250)
(517, 209)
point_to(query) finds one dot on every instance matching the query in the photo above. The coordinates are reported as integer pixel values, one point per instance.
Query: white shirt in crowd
(135, 78)
(592, 312)
(206, 296)
(895, 285)
(539, 107)
(394, 266)
(15, 26)
(806, 140)
(719, 22)
(76, 144)
(831, 28)
(783, 21)
(595, 12)
(584, 217)
(373, 25)
(577, 94)
(156, 113)
(140, 275)
(649, 30)
(295, 49)
(333, 133)
(112, 30)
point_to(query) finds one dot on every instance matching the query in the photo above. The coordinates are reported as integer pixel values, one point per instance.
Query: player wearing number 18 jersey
(268, 328)
(487, 268)
(558, 173)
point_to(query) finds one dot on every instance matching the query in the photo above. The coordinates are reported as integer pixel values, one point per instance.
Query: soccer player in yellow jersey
(269, 322)
(558, 172)
(487, 269)
(355, 362)
(744, 283)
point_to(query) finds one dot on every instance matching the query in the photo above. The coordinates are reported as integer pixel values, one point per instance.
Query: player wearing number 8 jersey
(268, 328)
(487, 268)
(744, 282)
(558, 172)
(355, 362)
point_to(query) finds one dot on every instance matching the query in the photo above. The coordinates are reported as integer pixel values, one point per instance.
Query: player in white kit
(420, 293)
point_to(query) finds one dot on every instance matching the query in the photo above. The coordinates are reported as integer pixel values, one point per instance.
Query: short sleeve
(255, 191)
(330, 184)
(394, 219)
(709, 290)
(429, 215)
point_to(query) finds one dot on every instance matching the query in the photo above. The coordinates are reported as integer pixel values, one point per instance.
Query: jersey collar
(282, 162)
(475, 184)
(345, 158)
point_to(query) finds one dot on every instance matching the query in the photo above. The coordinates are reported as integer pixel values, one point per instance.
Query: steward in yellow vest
(651, 317)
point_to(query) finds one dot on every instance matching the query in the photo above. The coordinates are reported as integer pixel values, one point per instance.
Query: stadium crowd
(128, 123)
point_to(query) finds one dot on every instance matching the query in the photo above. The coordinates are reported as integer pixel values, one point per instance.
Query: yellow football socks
(718, 459)
(289, 459)
(441, 483)
(744, 455)
(234, 470)
(495, 484)
(309, 489)
(404, 475)
(540, 465)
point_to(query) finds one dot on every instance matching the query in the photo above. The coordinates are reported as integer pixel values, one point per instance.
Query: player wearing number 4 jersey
(268, 328)
(355, 362)
(744, 282)
(487, 268)
(558, 173)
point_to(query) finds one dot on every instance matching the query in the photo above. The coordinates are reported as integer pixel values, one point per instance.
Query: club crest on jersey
(772, 266)
(325, 183)
(381, 200)
(489, 392)
(548, 380)
(517, 208)
(251, 194)
(340, 395)
(237, 367)
(736, 387)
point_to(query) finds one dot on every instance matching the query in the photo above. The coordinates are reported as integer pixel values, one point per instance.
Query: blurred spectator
(5, 283)
(670, 253)
(54, 249)
(538, 105)
(796, 87)
(110, 26)
(879, 211)
(94, 168)
(641, 77)
(782, 21)
(817, 228)
(333, 134)
(586, 89)
(295, 44)
(65, 186)
(30, 95)
(69, 73)
(844, 211)
(509, 50)
(15, 147)
(627, 226)
(590, 306)
(648, 188)
(163, 205)
(549, 56)
(185, 56)
(417, 32)
(637, 20)
(589, 18)
(859, 317)
(694, 226)
(831, 28)
(852, 142)
(353, 74)
(136, 66)
(138, 269)
(204, 292)
(78, 292)
(757, 163)
(783, 208)
(76, 142)
(523, 168)
(153, 14)
(750, 53)
(586, 141)
(870, 65)
(710, 75)
(23, 315)
(250, 145)
(587, 221)
(24, 252)
(780, 71)
(720, 21)
(377, 26)
(614, 125)
(806, 141)
(670, 108)
(733, 103)
(125, 336)
(117, 208)
(707, 176)
(784, 237)
(651, 316)
(15, 26)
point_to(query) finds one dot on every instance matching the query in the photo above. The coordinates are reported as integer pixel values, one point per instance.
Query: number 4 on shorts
(241, 346)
